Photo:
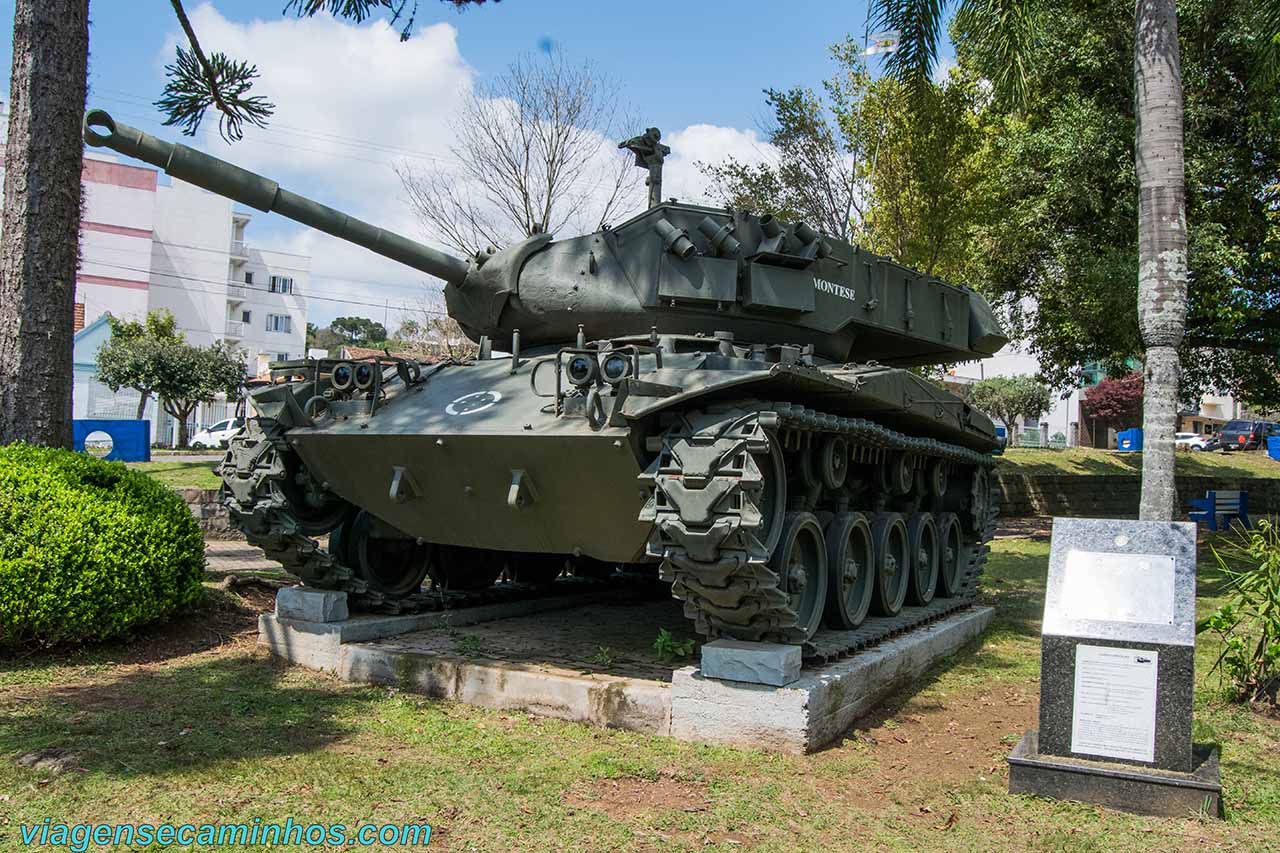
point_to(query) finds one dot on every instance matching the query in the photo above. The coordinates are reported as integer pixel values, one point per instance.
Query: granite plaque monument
(1117, 672)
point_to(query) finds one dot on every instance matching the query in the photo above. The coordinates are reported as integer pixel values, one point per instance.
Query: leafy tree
(1000, 35)
(189, 375)
(1115, 402)
(358, 330)
(133, 357)
(1006, 398)
(323, 338)
(820, 174)
(41, 220)
(528, 157)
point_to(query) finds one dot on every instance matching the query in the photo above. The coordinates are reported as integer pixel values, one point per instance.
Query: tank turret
(684, 268)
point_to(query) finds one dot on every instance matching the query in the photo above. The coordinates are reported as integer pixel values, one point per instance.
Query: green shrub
(1249, 622)
(89, 549)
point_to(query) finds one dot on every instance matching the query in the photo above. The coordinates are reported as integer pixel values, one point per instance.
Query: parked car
(219, 434)
(1191, 441)
(1247, 435)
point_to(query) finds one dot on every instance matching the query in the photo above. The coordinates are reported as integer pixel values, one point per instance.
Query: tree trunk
(1162, 242)
(142, 404)
(41, 221)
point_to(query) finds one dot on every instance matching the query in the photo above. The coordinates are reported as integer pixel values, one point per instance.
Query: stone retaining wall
(209, 511)
(1112, 496)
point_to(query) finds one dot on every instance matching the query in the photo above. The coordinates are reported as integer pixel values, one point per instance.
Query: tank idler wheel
(951, 554)
(800, 562)
(340, 540)
(387, 560)
(922, 544)
(850, 559)
(938, 478)
(833, 462)
(897, 476)
(461, 569)
(314, 510)
(536, 569)
(892, 564)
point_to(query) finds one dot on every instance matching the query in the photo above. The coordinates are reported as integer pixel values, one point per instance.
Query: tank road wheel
(889, 533)
(537, 569)
(340, 539)
(460, 569)
(938, 478)
(387, 560)
(897, 477)
(950, 554)
(800, 562)
(922, 545)
(772, 499)
(833, 462)
(850, 558)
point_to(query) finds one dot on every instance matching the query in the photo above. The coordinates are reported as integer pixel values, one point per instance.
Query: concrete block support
(816, 709)
(311, 605)
(757, 663)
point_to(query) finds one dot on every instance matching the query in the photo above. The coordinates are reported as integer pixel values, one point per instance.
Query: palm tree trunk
(1162, 242)
(41, 220)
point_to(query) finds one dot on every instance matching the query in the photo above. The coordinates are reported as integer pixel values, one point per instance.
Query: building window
(248, 278)
(280, 284)
(246, 316)
(279, 323)
(282, 356)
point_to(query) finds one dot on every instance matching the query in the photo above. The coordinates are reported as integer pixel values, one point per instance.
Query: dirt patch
(630, 796)
(963, 739)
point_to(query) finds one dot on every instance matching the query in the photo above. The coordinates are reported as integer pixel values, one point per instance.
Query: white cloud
(707, 143)
(352, 102)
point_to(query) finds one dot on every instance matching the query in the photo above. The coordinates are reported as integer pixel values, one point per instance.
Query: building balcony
(239, 251)
(235, 329)
(237, 292)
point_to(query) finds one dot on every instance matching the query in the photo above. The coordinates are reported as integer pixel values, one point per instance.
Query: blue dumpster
(1273, 447)
(1129, 440)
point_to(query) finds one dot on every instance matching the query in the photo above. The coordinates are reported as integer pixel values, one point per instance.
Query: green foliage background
(89, 549)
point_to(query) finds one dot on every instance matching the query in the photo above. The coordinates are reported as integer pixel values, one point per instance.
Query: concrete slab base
(816, 709)
(1126, 787)
(803, 716)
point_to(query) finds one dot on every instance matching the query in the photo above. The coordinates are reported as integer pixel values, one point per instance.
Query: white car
(1190, 440)
(219, 434)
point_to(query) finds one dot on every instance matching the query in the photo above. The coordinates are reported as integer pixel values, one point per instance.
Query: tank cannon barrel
(256, 191)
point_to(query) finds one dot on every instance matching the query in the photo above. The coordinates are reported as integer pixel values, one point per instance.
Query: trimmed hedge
(89, 549)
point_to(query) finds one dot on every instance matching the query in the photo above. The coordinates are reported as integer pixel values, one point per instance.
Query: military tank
(717, 397)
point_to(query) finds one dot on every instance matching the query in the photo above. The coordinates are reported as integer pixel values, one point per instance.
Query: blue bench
(1219, 507)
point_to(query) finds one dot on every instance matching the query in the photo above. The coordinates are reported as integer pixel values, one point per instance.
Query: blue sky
(681, 66)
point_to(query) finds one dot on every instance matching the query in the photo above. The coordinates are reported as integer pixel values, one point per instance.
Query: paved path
(235, 556)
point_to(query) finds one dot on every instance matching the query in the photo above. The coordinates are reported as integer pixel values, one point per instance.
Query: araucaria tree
(1007, 398)
(535, 150)
(41, 224)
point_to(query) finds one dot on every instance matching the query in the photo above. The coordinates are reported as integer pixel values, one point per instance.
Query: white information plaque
(1115, 703)
(1118, 587)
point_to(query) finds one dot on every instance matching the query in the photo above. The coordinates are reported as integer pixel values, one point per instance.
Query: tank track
(252, 471)
(707, 486)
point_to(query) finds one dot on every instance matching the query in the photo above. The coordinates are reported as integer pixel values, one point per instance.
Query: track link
(709, 523)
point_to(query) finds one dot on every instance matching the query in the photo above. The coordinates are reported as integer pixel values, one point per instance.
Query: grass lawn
(1086, 460)
(182, 475)
(192, 723)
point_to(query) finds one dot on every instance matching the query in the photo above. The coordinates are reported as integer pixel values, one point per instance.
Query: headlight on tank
(364, 376)
(582, 369)
(343, 376)
(615, 368)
